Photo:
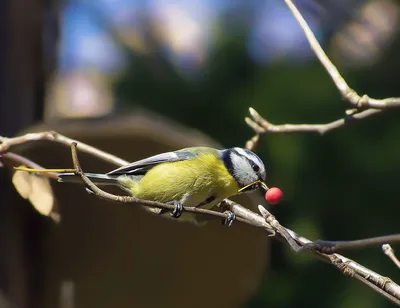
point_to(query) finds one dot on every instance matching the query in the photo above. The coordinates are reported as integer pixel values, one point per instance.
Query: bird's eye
(255, 167)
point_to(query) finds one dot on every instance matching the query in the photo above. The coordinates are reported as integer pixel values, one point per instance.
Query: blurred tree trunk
(23, 76)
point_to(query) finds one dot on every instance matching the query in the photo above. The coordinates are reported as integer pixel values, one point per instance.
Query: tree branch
(261, 125)
(334, 246)
(15, 159)
(266, 221)
(383, 285)
(7, 143)
(363, 106)
(389, 251)
(347, 93)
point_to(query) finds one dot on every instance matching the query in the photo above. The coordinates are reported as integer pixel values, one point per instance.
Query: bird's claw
(177, 211)
(230, 218)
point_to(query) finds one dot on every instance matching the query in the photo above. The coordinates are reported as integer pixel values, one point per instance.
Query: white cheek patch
(253, 157)
(242, 170)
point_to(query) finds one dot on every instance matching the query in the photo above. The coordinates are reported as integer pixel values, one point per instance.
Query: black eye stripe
(255, 167)
(227, 159)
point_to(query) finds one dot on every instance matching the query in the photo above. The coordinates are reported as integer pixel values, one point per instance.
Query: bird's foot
(230, 218)
(177, 211)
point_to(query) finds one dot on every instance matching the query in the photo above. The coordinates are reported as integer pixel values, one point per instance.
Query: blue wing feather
(142, 166)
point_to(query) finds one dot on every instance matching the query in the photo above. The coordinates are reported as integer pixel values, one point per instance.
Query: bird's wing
(142, 166)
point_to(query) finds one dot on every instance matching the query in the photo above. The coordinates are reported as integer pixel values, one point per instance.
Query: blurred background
(136, 77)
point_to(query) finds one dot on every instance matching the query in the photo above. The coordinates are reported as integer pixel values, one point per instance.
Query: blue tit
(191, 177)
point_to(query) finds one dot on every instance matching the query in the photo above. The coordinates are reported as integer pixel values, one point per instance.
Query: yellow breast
(191, 181)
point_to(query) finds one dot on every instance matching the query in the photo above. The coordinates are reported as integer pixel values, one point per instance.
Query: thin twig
(261, 125)
(247, 216)
(348, 93)
(8, 143)
(389, 251)
(270, 219)
(383, 285)
(329, 247)
(15, 159)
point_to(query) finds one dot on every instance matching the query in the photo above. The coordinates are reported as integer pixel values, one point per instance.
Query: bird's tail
(97, 178)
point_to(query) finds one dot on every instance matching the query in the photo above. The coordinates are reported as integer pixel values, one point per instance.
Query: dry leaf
(38, 191)
(22, 183)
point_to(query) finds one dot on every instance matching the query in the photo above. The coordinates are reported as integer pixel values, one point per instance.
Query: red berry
(273, 195)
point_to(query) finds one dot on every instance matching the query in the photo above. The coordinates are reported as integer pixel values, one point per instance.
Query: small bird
(191, 177)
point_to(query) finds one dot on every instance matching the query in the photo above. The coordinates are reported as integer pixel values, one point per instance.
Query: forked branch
(362, 106)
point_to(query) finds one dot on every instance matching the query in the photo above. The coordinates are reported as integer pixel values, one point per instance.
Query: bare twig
(389, 251)
(246, 216)
(383, 285)
(8, 143)
(329, 247)
(15, 159)
(261, 125)
(348, 93)
(270, 219)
